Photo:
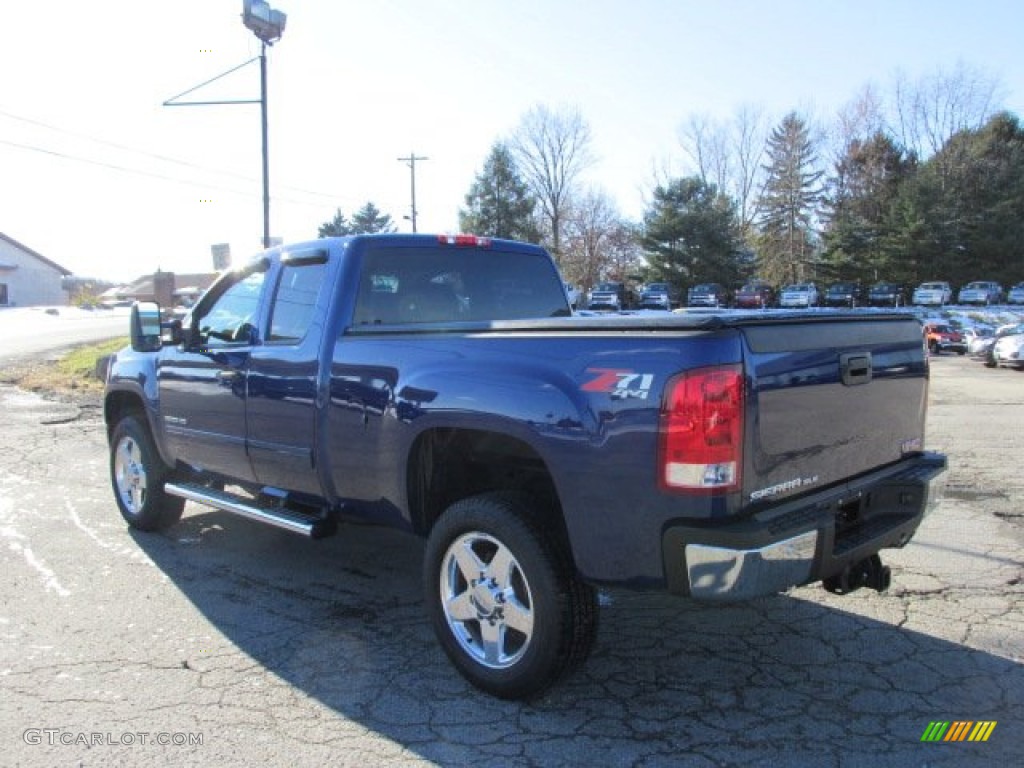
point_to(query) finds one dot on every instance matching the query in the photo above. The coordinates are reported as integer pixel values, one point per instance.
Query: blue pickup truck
(442, 385)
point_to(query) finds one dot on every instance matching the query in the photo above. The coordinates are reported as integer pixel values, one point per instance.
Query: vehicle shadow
(785, 680)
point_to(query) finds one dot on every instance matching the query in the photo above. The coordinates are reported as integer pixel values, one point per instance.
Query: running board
(280, 517)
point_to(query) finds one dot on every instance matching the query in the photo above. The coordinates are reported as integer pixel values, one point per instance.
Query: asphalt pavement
(223, 642)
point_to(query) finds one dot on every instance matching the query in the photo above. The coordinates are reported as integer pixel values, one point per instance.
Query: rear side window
(294, 302)
(440, 285)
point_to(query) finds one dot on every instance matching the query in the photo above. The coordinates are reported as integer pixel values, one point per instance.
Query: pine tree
(691, 234)
(860, 208)
(368, 220)
(336, 227)
(789, 202)
(499, 203)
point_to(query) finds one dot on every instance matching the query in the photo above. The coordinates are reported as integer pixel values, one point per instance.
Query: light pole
(411, 161)
(268, 25)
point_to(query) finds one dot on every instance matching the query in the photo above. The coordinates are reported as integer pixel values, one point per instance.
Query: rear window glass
(439, 285)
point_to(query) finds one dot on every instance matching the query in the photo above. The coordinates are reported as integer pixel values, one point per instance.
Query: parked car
(659, 296)
(935, 294)
(944, 338)
(572, 293)
(979, 338)
(844, 295)
(799, 295)
(613, 296)
(987, 352)
(981, 292)
(1008, 350)
(887, 295)
(707, 295)
(755, 294)
(1016, 294)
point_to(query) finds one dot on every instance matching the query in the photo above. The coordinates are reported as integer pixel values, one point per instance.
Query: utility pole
(411, 162)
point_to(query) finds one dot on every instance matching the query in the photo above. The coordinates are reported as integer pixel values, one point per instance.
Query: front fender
(132, 386)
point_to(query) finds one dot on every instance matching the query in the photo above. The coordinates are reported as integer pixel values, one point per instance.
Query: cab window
(294, 302)
(231, 319)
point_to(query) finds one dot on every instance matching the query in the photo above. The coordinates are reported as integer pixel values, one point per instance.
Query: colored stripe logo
(958, 730)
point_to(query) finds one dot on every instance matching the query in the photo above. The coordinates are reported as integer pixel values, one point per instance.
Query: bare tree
(858, 120)
(551, 149)
(729, 155)
(927, 113)
(591, 221)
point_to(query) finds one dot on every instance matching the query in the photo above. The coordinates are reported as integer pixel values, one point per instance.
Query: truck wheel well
(118, 405)
(446, 465)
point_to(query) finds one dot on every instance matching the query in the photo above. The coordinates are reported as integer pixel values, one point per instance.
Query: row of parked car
(758, 294)
(1003, 346)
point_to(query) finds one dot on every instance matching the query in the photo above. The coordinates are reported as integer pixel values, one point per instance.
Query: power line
(145, 153)
(138, 172)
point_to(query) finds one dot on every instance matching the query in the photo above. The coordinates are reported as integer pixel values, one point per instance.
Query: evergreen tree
(336, 227)
(864, 191)
(971, 194)
(368, 220)
(789, 202)
(691, 234)
(499, 203)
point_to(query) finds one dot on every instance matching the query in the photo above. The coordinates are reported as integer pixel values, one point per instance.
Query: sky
(97, 175)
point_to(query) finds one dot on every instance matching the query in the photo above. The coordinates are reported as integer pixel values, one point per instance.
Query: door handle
(855, 368)
(227, 376)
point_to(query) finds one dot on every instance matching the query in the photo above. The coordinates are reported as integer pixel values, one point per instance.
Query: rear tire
(137, 475)
(503, 596)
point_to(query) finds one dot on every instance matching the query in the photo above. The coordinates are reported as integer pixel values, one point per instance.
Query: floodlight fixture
(265, 22)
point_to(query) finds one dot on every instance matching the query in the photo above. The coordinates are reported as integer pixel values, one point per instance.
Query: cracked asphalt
(223, 642)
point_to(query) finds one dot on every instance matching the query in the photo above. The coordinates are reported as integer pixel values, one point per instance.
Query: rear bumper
(802, 540)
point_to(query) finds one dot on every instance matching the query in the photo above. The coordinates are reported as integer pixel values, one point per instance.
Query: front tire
(137, 474)
(503, 596)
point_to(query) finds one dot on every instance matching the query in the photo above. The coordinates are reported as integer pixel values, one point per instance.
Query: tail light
(702, 430)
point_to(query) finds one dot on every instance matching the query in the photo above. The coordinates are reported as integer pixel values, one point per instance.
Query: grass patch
(74, 373)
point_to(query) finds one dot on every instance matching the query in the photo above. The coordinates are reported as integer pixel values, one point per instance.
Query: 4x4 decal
(619, 383)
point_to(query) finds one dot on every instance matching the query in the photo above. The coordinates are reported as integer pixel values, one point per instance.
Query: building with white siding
(27, 278)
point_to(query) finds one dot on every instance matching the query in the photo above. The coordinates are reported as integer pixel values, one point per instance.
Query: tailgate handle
(855, 368)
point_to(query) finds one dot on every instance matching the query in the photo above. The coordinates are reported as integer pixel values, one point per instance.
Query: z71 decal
(619, 383)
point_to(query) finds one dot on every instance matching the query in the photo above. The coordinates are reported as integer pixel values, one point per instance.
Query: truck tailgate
(829, 400)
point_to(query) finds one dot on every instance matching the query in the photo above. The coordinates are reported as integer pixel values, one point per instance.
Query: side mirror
(145, 326)
(171, 332)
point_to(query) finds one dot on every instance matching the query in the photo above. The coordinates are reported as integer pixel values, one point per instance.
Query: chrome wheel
(130, 475)
(137, 477)
(486, 600)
